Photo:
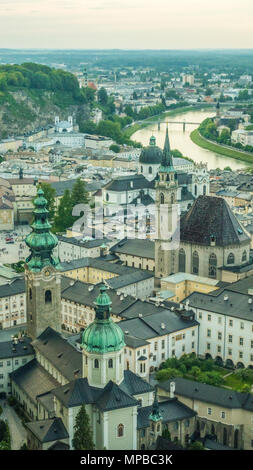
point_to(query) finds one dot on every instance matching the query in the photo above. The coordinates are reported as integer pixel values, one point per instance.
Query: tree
(64, 218)
(49, 194)
(79, 195)
(166, 434)
(102, 96)
(246, 388)
(5, 445)
(165, 374)
(83, 433)
(196, 446)
(115, 148)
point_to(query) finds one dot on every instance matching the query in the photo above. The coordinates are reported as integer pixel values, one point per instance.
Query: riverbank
(220, 149)
(146, 122)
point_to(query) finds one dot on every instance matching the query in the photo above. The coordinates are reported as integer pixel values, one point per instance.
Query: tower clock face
(47, 273)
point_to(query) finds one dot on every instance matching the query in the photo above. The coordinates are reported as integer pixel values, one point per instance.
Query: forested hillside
(32, 94)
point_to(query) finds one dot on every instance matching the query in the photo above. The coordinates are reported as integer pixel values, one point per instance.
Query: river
(181, 140)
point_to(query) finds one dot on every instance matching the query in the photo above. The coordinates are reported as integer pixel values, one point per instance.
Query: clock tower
(42, 276)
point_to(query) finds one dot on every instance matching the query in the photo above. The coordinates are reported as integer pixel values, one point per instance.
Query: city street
(18, 432)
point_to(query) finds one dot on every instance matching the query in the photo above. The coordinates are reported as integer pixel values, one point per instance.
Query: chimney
(172, 389)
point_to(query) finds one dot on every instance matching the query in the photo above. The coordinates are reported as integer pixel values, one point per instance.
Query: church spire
(41, 241)
(155, 413)
(167, 163)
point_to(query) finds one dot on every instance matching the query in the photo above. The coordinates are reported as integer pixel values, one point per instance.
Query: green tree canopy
(83, 433)
(102, 96)
(64, 218)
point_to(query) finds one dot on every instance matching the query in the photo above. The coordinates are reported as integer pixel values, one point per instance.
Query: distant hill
(31, 95)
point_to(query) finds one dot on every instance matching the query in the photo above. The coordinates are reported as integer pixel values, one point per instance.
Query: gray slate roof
(123, 183)
(150, 326)
(65, 358)
(111, 397)
(209, 393)
(171, 410)
(236, 306)
(33, 379)
(10, 350)
(211, 216)
(135, 247)
(48, 430)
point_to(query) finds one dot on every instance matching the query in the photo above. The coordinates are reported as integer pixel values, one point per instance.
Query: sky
(126, 24)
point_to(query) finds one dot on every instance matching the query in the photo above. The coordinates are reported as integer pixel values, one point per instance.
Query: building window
(244, 256)
(48, 297)
(240, 354)
(230, 338)
(219, 349)
(163, 343)
(181, 259)
(230, 322)
(110, 363)
(195, 262)
(219, 335)
(120, 430)
(242, 326)
(209, 317)
(241, 341)
(200, 316)
(150, 170)
(155, 346)
(230, 352)
(161, 198)
(208, 346)
(223, 414)
(209, 333)
(30, 294)
(230, 258)
(96, 364)
(193, 345)
(193, 333)
(209, 411)
(212, 265)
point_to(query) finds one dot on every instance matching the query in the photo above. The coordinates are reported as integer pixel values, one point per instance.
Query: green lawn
(201, 142)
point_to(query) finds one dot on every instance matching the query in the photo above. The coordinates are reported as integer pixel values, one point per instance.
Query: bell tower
(42, 276)
(103, 346)
(166, 253)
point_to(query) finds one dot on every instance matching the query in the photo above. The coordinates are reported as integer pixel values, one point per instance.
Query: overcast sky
(126, 24)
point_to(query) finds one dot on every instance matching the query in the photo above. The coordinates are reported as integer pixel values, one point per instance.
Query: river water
(181, 140)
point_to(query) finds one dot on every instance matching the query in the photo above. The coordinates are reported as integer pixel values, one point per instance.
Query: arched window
(244, 256)
(212, 265)
(236, 439)
(161, 198)
(195, 190)
(181, 260)
(96, 364)
(30, 293)
(107, 196)
(231, 258)
(204, 190)
(150, 170)
(141, 169)
(172, 199)
(48, 297)
(195, 262)
(110, 363)
(120, 430)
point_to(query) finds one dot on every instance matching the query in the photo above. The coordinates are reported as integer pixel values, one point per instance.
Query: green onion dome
(151, 154)
(103, 335)
(41, 241)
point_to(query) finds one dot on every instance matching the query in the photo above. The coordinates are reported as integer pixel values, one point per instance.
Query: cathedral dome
(103, 335)
(151, 154)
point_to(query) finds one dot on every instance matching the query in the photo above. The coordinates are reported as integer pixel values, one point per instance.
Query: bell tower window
(48, 297)
(30, 294)
(161, 198)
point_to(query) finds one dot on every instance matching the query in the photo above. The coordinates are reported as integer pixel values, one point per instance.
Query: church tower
(166, 253)
(43, 280)
(155, 422)
(103, 346)
(217, 117)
